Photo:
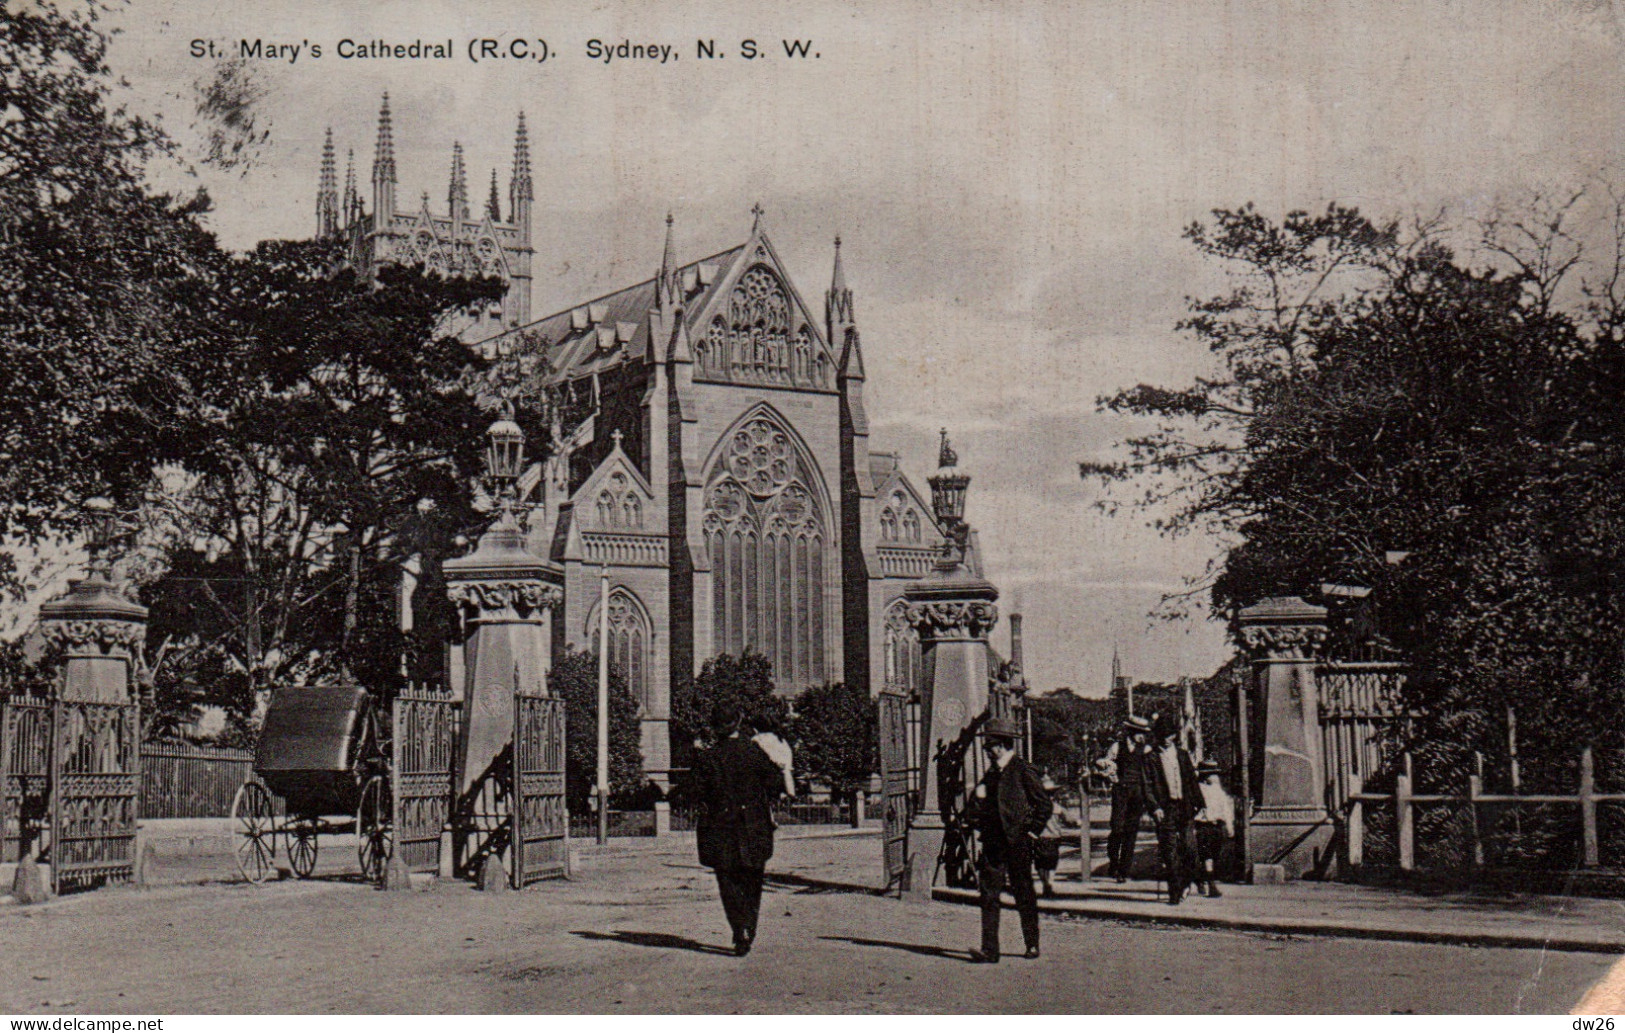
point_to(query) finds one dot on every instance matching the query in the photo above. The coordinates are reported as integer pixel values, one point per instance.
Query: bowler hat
(1136, 723)
(1001, 728)
(1207, 766)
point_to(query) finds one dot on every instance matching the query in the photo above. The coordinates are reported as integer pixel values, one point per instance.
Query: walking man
(1174, 796)
(1009, 807)
(1125, 765)
(736, 783)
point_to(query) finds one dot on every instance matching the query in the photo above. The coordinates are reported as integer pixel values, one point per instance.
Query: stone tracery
(767, 538)
(757, 337)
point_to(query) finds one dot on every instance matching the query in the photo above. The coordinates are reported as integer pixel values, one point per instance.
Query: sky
(1010, 182)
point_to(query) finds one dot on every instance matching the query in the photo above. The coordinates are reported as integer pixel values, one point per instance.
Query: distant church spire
(457, 194)
(327, 191)
(493, 203)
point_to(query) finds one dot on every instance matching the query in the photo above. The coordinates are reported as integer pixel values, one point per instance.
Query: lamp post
(507, 596)
(603, 706)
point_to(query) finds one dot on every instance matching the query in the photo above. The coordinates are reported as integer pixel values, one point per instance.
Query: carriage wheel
(374, 827)
(302, 849)
(255, 816)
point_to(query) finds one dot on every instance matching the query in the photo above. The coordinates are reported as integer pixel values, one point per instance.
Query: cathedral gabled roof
(600, 334)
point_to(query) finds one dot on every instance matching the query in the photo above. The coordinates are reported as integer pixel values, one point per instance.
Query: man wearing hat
(1174, 796)
(1125, 764)
(1009, 807)
(1215, 823)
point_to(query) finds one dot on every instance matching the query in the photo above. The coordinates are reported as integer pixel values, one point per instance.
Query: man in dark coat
(1009, 807)
(1125, 765)
(1174, 796)
(736, 783)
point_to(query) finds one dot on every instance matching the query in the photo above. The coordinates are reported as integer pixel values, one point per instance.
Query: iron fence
(621, 824)
(180, 780)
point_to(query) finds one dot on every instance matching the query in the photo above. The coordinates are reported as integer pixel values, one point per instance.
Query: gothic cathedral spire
(520, 190)
(383, 171)
(327, 191)
(352, 200)
(668, 285)
(841, 321)
(457, 194)
(493, 203)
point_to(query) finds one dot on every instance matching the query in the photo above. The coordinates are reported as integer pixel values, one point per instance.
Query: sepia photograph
(937, 508)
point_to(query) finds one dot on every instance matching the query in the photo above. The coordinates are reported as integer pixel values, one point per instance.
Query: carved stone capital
(109, 637)
(521, 595)
(942, 618)
(1283, 628)
(1284, 642)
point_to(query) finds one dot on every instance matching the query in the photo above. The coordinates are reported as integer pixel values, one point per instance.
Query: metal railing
(179, 780)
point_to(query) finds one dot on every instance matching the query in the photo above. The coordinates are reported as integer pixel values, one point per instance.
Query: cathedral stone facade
(711, 451)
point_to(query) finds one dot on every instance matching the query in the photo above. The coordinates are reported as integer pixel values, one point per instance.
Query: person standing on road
(1124, 765)
(1008, 808)
(1174, 795)
(736, 783)
(1215, 823)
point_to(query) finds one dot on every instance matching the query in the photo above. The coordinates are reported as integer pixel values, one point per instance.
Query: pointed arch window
(629, 641)
(767, 537)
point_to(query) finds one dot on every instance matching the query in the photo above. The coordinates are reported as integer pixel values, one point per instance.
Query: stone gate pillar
(101, 634)
(507, 596)
(1290, 829)
(953, 610)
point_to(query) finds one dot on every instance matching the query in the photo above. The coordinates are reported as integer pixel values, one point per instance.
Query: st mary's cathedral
(714, 453)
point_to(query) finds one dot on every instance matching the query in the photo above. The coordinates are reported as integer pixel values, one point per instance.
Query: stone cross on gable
(616, 437)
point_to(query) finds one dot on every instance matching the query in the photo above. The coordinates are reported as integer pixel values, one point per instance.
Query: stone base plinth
(1294, 839)
(925, 837)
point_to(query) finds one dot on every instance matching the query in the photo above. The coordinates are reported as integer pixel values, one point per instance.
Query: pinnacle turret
(327, 191)
(838, 309)
(520, 189)
(383, 155)
(668, 285)
(493, 203)
(352, 200)
(457, 194)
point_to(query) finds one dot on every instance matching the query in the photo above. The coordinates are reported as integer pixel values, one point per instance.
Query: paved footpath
(640, 930)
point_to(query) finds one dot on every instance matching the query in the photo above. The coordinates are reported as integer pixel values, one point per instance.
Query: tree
(329, 434)
(574, 678)
(1068, 728)
(98, 276)
(728, 687)
(1391, 417)
(837, 737)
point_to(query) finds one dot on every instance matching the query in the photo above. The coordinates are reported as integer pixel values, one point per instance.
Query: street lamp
(948, 487)
(505, 453)
(102, 521)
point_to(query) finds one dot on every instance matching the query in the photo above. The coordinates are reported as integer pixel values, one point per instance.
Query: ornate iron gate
(1357, 702)
(96, 782)
(541, 824)
(898, 777)
(423, 775)
(25, 776)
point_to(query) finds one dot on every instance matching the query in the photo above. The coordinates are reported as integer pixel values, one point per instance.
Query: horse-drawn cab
(324, 753)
